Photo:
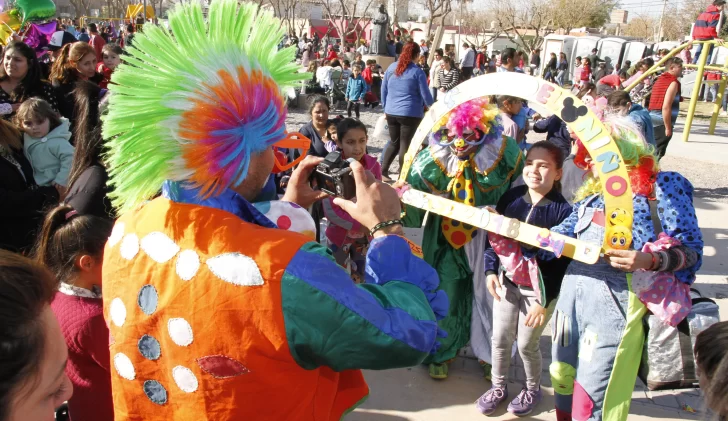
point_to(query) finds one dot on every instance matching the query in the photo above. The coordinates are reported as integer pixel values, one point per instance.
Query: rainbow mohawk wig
(194, 106)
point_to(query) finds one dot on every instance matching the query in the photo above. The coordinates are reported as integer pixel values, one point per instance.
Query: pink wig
(468, 116)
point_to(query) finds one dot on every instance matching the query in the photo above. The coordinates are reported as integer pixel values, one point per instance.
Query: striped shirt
(449, 80)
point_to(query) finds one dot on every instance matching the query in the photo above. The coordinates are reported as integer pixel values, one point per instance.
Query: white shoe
(723, 114)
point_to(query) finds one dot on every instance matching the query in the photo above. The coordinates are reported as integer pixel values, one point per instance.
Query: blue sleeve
(63, 152)
(542, 126)
(529, 111)
(390, 321)
(424, 89)
(677, 214)
(349, 89)
(362, 89)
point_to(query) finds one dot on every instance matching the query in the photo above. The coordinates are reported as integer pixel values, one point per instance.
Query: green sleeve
(386, 323)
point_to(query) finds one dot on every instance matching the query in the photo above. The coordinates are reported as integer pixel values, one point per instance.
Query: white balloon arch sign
(585, 124)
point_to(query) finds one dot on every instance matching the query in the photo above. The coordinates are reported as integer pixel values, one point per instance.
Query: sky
(646, 7)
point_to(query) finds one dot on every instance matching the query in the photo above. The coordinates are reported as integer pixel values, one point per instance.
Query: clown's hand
(629, 260)
(376, 202)
(299, 190)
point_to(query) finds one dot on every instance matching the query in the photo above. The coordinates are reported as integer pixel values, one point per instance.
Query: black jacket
(549, 212)
(22, 204)
(89, 193)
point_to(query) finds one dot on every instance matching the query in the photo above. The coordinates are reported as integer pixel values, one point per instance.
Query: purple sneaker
(490, 400)
(524, 403)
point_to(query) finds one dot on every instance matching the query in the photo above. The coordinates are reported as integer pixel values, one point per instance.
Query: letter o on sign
(619, 182)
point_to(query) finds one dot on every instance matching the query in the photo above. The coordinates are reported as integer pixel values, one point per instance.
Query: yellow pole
(718, 101)
(696, 90)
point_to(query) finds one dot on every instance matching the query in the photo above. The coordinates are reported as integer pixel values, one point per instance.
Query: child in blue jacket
(356, 88)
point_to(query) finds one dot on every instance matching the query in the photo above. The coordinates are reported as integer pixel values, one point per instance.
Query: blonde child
(111, 55)
(523, 303)
(45, 142)
(347, 238)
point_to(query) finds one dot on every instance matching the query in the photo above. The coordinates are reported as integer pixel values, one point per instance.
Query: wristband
(385, 225)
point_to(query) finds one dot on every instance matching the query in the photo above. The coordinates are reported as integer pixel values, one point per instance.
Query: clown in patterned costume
(471, 162)
(216, 309)
(597, 326)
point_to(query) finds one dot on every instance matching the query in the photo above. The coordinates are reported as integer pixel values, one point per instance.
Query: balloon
(36, 9)
(8, 23)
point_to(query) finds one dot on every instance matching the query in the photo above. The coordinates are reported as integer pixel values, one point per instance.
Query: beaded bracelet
(385, 225)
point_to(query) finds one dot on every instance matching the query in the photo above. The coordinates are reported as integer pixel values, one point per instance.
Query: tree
(524, 22)
(641, 26)
(480, 30)
(570, 14)
(81, 7)
(438, 9)
(347, 16)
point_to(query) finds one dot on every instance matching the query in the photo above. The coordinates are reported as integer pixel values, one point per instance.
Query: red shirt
(101, 68)
(611, 80)
(98, 43)
(659, 90)
(87, 337)
(585, 73)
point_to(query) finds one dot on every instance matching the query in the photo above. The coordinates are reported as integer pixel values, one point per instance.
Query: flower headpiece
(195, 106)
(475, 114)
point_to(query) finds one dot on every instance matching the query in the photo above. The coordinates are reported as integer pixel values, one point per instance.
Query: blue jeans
(434, 92)
(560, 77)
(588, 327)
(699, 50)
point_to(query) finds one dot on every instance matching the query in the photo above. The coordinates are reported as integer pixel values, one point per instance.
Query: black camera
(334, 176)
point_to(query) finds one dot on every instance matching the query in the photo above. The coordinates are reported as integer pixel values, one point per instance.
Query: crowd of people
(164, 262)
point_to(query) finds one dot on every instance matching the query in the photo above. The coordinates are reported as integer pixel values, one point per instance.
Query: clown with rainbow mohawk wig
(470, 161)
(217, 309)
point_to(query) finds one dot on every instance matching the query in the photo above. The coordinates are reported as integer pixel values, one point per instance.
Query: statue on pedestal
(379, 32)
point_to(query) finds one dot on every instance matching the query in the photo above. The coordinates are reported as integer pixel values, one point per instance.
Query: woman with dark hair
(76, 62)
(316, 128)
(20, 79)
(22, 200)
(87, 188)
(33, 354)
(405, 96)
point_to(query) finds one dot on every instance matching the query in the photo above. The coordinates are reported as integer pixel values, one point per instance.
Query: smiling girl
(523, 303)
(347, 238)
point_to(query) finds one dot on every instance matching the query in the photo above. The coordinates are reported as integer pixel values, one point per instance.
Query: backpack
(668, 360)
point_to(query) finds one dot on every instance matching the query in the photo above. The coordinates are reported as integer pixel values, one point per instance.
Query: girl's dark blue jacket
(547, 213)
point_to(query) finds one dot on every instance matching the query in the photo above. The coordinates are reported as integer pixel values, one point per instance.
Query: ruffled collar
(483, 161)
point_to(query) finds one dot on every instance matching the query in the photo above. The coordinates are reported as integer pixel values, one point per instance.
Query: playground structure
(701, 68)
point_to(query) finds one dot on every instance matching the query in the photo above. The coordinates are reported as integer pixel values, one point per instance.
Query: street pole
(145, 11)
(662, 17)
(460, 30)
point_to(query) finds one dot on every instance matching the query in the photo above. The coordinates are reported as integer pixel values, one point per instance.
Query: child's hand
(536, 316)
(493, 286)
